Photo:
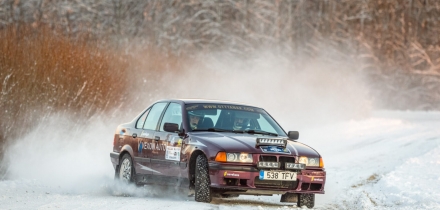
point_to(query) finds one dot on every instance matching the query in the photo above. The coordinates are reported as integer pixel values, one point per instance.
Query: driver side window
(173, 114)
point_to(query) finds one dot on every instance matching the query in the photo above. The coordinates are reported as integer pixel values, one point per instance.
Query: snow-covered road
(387, 161)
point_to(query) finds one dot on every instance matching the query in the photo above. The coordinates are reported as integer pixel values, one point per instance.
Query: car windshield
(231, 118)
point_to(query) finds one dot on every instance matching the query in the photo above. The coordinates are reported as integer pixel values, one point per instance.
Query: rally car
(217, 149)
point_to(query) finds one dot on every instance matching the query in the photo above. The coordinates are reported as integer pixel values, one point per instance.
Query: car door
(168, 160)
(138, 150)
(146, 145)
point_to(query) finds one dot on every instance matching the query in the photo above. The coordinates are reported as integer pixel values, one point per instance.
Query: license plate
(278, 175)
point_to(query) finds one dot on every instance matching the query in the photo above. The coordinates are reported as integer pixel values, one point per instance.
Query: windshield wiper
(260, 132)
(224, 130)
(219, 130)
(213, 130)
(238, 131)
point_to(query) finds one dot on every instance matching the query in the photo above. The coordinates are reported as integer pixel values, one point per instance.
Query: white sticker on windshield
(172, 153)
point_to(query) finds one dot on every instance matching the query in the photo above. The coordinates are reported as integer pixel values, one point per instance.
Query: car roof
(208, 101)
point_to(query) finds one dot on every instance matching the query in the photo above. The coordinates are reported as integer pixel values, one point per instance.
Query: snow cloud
(298, 92)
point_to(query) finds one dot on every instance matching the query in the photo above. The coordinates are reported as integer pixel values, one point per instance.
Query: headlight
(316, 162)
(237, 157)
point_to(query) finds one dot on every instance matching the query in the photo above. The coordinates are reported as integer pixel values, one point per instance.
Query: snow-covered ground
(390, 160)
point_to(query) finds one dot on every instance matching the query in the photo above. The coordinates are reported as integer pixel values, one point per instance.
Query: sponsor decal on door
(172, 153)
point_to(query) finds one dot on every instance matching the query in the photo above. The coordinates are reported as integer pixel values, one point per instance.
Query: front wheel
(125, 170)
(307, 200)
(202, 182)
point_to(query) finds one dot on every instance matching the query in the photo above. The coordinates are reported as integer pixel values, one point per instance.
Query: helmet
(196, 113)
(194, 118)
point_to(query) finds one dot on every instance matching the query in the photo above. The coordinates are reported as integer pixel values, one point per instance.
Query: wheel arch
(192, 165)
(126, 149)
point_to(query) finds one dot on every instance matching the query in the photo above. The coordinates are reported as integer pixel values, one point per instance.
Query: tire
(307, 200)
(202, 183)
(125, 170)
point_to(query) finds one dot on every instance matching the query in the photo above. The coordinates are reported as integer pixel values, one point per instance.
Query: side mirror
(171, 127)
(293, 135)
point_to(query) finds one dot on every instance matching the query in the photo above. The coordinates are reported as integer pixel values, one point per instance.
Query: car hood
(236, 142)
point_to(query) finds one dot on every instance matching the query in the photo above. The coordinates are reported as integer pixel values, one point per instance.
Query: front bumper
(246, 178)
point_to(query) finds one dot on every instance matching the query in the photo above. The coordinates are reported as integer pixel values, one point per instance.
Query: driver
(238, 123)
(194, 119)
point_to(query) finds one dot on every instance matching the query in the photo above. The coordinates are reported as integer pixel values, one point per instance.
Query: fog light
(295, 166)
(268, 164)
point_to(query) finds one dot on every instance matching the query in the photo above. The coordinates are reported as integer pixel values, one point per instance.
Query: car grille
(315, 186)
(305, 186)
(282, 159)
(311, 186)
(268, 158)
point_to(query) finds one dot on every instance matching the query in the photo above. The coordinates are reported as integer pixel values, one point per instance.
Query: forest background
(83, 56)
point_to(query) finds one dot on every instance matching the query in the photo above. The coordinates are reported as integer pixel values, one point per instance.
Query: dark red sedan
(217, 148)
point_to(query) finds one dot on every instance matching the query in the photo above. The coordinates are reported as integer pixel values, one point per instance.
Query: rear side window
(154, 115)
(141, 120)
(172, 115)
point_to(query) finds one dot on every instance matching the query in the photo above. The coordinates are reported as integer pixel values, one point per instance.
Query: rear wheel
(306, 200)
(202, 181)
(125, 171)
